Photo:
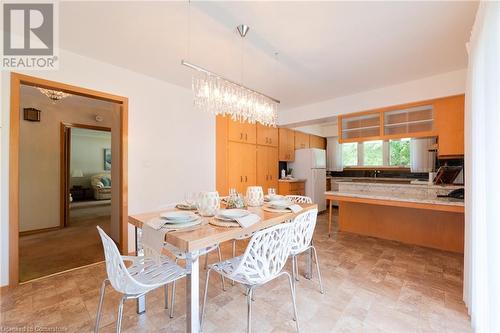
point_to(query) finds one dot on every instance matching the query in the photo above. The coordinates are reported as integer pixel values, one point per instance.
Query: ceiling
(326, 49)
(32, 97)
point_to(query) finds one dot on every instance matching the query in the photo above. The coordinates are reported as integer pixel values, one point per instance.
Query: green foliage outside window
(399, 153)
(372, 153)
(350, 154)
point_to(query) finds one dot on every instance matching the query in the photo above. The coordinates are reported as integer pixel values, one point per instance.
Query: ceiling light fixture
(54, 95)
(220, 96)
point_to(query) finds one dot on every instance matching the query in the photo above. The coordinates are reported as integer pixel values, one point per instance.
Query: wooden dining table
(196, 239)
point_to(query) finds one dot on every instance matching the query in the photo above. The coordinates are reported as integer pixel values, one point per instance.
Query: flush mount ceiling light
(220, 96)
(54, 95)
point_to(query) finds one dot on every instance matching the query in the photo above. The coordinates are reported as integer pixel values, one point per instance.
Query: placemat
(274, 210)
(226, 224)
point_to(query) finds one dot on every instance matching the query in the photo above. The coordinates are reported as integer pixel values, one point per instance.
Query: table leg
(141, 301)
(141, 304)
(308, 274)
(192, 294)
(330, 218)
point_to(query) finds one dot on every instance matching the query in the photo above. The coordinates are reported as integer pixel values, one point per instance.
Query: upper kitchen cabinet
(360, 127)
(450, 125)
(286, 149)
(242, 132)
(301, 140)
(409, 122)
(316, 141)
(267, 135)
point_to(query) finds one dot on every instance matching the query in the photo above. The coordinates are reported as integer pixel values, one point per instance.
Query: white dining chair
(263, 261)
(299, 199)
(303, 230)
(142, 276)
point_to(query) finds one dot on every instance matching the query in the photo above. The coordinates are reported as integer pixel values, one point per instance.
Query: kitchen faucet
(375, 173)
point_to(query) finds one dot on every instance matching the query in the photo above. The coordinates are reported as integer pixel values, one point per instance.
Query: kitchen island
(409, 213)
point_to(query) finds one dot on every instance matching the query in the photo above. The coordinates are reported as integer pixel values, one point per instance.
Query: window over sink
(390, 153)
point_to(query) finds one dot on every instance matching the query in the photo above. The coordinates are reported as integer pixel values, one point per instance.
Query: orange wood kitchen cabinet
(291, 188)
(286, 144)
(449, 114)
(301, 140)
(242, 165)
(267, 135)
(267, 167)
(242, 132)
(316, 141)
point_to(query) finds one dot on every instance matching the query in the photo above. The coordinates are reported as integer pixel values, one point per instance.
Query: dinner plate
(178, 216)
(280, 204)
(191, 220)
(232, 213)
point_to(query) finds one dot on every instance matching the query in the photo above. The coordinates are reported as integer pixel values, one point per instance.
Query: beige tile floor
(371, 285)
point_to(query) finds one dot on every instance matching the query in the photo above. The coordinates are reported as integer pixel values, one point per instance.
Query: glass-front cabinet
(360, 127)
(409, 121)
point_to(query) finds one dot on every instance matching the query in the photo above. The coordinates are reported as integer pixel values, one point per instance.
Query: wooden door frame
(65, 157)
(16, 80)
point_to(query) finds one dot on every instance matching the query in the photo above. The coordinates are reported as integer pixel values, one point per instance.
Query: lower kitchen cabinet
(291, 188)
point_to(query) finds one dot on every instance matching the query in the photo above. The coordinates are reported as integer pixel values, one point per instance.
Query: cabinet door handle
(267, 176)
(270, 140)
(246, 136)
(246, 179)
(241, 179)
(241, 136)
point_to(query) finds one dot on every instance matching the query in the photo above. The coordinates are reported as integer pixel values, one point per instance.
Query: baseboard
(37, 231)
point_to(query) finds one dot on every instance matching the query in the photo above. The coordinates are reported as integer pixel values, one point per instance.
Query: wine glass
(190, 199)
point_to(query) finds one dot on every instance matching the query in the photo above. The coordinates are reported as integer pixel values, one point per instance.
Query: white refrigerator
(310, 164)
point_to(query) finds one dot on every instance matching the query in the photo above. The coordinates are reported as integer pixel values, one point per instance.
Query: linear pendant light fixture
(220, 96)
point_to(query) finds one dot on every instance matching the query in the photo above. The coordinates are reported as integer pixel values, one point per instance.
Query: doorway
(43, 227)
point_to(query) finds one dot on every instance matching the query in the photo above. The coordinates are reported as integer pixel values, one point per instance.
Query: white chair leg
(293, 271)
(317, 269)
(165, 291)
(204, 300)
(249, 314)
(292, 292)
(296, 268)
(120, 316)
(99, 307)
(172, 302)
(221, 277)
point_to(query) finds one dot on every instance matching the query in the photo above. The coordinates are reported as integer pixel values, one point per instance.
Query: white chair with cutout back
(263, 261)
(299, 199)
(144, 275)
(303, 230)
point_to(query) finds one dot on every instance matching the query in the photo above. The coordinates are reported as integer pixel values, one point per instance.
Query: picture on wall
(107, 159)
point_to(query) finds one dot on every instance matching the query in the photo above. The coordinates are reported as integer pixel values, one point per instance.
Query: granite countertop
(413, 183)
(400, 197)
(294, 180)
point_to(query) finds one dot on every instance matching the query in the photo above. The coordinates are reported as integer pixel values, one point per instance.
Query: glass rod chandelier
(213, 93)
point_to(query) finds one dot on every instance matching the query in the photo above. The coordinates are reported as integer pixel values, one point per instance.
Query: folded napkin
(248, 220)
(153, 241)
(156, 223)
(295, 208)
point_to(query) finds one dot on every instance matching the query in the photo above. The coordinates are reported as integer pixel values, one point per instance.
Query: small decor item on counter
(235, 200)
(431, 177)
(255, 196)
(208, 203)
(289, 173)
(283, 174)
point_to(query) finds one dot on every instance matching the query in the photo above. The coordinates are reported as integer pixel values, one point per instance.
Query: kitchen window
(392, 153)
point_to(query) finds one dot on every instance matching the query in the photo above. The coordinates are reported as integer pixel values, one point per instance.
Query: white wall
(447, 84)
(171, 146)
